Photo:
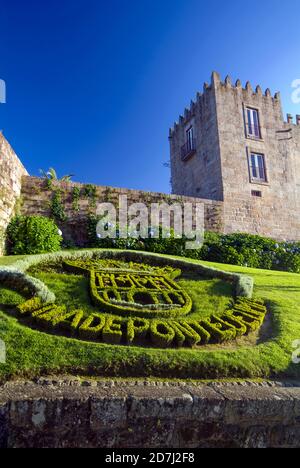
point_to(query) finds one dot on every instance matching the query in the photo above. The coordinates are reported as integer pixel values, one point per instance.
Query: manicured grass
(10, 260)
(31, 352)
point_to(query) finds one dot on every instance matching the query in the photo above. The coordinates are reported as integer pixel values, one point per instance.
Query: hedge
(176, 300)
(242, 249)
(141, 324)
(25, 284)
(242, 284)
(246, 316)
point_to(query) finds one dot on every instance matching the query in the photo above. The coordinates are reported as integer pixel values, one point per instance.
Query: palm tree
(51, 174)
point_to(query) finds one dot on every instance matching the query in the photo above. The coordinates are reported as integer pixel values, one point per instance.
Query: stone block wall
(61, 413)
(275, 212)
(11, 173)
(200, 175)
(36, 199)
(219, 167)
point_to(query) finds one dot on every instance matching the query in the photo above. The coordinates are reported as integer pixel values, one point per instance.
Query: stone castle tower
(233, 145)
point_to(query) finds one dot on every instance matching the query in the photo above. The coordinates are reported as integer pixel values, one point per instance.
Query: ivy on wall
(57, 207)
(90, 192)
(76, 198)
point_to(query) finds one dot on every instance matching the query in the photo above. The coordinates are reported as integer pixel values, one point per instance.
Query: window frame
(253, 179)
(249, 124)
(189, 133)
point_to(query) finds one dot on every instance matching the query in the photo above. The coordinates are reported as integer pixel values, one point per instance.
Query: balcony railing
(188, 149)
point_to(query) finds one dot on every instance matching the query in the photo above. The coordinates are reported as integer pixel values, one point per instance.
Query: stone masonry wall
(219, 167)
(200, 175)
(36, 199)
(60, 413)
(275, 213)
(11, 172)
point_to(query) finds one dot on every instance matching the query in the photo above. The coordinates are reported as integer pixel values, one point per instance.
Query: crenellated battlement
(290, 120)
(228, 83)
(217, 83)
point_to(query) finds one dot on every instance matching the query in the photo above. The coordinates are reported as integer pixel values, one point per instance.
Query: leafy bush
(30, 235)
(251, 251)
(248, 250)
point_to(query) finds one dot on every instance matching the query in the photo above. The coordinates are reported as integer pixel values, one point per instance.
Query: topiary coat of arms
(134, 289)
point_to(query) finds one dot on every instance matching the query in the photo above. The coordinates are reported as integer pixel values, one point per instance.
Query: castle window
(253, 126)
(256, 193)
(189, 148)
(190, 137)
(257, 167)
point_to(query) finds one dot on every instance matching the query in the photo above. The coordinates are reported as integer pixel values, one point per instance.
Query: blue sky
(93, 86)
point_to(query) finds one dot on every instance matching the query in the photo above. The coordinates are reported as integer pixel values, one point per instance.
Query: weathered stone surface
(134, 414)
(36, 199)
(11, 172)
(219, 168)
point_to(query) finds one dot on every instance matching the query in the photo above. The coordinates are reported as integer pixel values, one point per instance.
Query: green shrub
(112, 331)
(57, 207)
(185, 334)
(225, 254)
(143, 302)
(252, 251)
(45, 309)
(162, 334)
(26, 308)
(27, 235)
(240, 327)
(287, 261)
(48, 316)
(92, 327)
(69, 321)
(248, 250)
(197, 326)
(246, 316)
(137, 328)
(220, 331)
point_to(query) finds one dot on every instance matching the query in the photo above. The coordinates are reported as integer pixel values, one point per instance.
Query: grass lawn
(267, 354)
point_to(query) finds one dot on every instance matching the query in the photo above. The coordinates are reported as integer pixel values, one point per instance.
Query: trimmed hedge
(243, 285)
(109, 298)
(25, 284)
(246, 316)
(92, 326)
(137, 329)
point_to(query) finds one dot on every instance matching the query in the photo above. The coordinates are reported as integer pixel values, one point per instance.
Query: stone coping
(73, 412)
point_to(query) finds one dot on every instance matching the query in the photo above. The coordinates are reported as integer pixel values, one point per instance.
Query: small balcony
(188, 149)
